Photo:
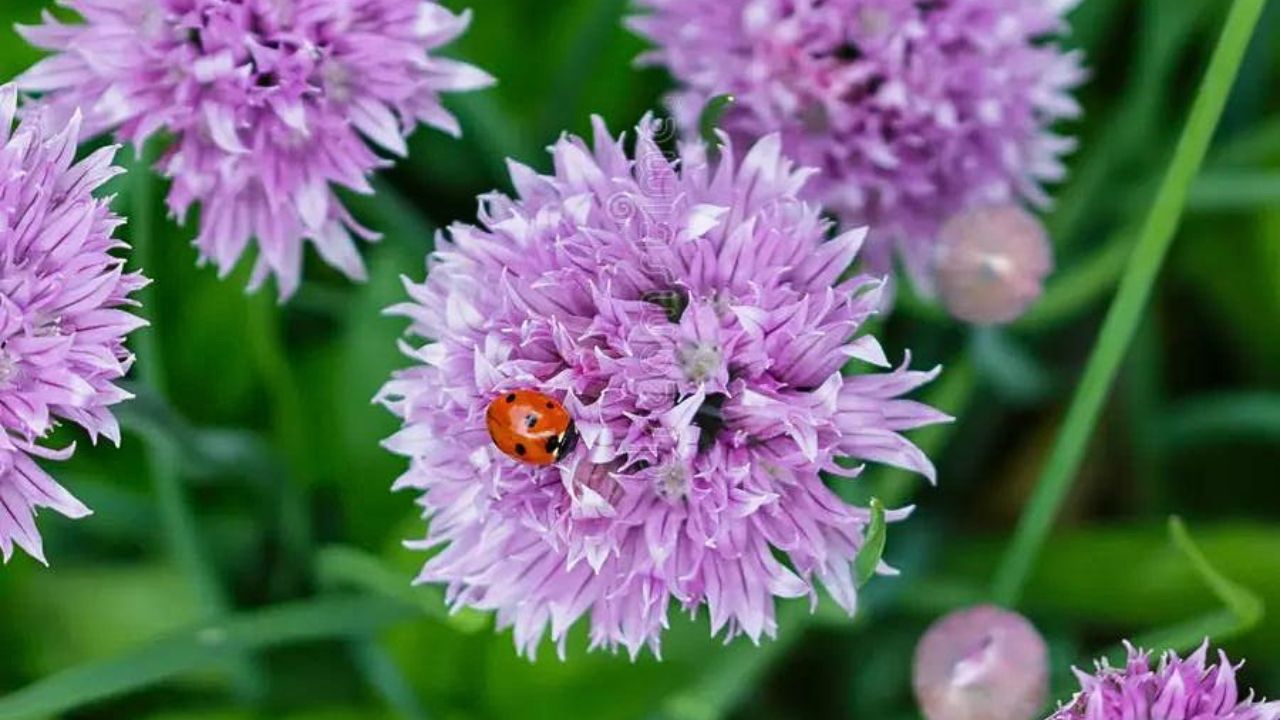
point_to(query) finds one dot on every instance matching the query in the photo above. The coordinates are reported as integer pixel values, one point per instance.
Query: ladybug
(531, 427)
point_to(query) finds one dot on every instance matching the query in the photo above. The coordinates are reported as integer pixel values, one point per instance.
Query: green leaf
(1235, 190)
(379, 669)
(1222, 417)
(872, 550)
(1130, 303)
(338, 566)
(177, 519)
(717, 691)
(1009, 368)
(200, 646)
(1246, 606)
(1242, 612)
(709, 120)
(1076, 288)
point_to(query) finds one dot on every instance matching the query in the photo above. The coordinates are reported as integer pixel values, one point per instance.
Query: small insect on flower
(531, 427)
(692, 318)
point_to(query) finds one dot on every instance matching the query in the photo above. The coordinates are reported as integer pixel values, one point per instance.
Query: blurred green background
(244, 560)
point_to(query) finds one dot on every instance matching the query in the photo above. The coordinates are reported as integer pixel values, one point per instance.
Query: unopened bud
(983, 663)
(991, 263)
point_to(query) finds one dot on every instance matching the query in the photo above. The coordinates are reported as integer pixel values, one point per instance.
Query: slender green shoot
(1130, 303)
(1242, 609)
(163, 457)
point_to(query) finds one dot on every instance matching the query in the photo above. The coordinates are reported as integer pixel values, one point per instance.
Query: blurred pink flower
(62, 322)
(911, 111)
(271, 106)
(991, 264)
(694, 319)
(982, 663)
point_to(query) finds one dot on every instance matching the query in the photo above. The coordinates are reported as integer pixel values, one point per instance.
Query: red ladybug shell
(530, 426)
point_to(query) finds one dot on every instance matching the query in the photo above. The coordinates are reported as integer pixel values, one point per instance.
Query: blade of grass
(377, 667)
(164, 458)
(1162, 42)
(1229, 416)
(1131, 300)
(200, 646)
(1235, 190)
(1261, 143)
(723, 687)
(339, 566)
(289, 426)
(1242, 610)
(1072, 291)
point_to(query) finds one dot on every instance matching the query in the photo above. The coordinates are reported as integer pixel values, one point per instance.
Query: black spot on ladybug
(511, 397)
(531, 421)
(551, 405)
(520, 449)
(552, 444)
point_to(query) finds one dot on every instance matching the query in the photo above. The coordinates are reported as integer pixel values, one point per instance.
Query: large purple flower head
(62, 322)
(1175, 689)
(694, 319)
(269, 104)
(912, 111)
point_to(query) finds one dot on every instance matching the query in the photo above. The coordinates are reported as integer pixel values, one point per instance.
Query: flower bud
(991, 263)
(983, 663)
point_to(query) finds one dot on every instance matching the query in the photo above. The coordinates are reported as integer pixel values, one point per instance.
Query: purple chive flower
(271, 106)
(1175, 689)
(694, 320)
(912, 111)
(983, 663)
(62, 326)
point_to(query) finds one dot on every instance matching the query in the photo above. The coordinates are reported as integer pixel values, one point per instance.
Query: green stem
(1221, 417)
(1127, 310)
(720, 690)
(1242, 610)
(1235, 190)
(1078, 287)
(163, 457)
(288, 420)
(379, 669)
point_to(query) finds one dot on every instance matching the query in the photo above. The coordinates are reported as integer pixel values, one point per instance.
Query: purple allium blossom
(694, 319)
(62, 322)
(912, 111)
(1175, 689)
(271, 106)
(981, 663)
